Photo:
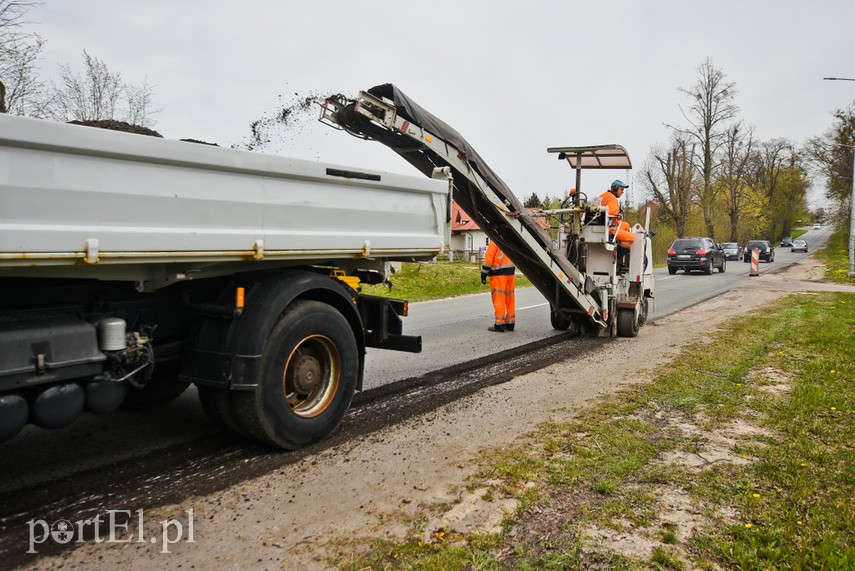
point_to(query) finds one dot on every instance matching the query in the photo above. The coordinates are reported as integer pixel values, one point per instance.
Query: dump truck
(132, 266)
(590, 287)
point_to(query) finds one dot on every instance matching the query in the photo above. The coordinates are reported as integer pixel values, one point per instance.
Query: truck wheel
(219, 408)
(627, 325)
(562, 323)
(558, 321)
(161, 388)
(643, 309)
(308, 373)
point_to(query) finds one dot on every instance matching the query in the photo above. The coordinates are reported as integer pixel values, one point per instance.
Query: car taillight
(672, 252)
(701, 252)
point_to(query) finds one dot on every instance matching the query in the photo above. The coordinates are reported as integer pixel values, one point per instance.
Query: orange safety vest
(619, 228)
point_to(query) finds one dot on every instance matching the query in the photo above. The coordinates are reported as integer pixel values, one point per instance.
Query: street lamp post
(851, 200)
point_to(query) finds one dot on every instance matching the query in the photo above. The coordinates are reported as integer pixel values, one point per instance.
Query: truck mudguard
(226, 352)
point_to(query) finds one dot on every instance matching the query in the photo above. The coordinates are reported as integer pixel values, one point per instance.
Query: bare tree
(20, 88)
(99, 94)
(738, 145)
(710, 109)
(670, 177)
(139, 99)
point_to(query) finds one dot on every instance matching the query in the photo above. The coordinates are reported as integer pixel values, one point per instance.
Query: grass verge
(738, 455)
(435, 280)
(835, 255)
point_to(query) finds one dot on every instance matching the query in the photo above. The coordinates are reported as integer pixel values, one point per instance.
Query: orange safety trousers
(504, 304)
(623, 235)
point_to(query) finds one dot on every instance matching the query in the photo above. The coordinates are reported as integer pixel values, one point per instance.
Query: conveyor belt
(428, 143)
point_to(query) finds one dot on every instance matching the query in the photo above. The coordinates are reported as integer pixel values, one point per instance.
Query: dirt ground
(377, 486)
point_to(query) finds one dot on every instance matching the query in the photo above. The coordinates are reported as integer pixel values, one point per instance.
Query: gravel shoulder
(307, 514)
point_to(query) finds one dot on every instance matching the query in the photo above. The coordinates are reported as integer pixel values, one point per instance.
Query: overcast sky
(512, 77)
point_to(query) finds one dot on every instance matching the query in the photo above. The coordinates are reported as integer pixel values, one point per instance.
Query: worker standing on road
(619, 228)
(500, 269)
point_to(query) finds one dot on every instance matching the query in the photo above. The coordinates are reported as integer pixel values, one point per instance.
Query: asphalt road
(453, 331)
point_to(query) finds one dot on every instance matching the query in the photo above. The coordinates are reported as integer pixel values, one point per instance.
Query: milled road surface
(212, 463)
(400, 448)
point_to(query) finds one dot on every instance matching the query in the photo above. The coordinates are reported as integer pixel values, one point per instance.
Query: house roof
(461, 222)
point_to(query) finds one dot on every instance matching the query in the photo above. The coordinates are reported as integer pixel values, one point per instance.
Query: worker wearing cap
(619, 228)
(500, 269)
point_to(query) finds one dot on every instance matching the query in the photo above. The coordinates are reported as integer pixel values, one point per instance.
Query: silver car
(732, 251)
(799, 246)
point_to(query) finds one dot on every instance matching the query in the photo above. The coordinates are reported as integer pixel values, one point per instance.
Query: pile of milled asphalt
(114, 125)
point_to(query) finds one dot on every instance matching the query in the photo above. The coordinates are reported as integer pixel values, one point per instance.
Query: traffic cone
(755, 263)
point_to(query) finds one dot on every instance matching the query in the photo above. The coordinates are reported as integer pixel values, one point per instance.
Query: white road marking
(532, 306)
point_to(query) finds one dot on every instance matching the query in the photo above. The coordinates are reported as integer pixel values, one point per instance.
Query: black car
(786, 242)
(767, 251)
(732, 251)
(695, 254)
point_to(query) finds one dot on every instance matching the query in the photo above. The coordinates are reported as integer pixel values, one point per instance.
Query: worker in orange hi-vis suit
(619, 228)
(500, 269)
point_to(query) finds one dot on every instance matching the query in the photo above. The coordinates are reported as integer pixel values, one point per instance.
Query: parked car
(767, 251)
(695, 254)
(816, 226)
(786, 241)
(799, 246)
(732, 251)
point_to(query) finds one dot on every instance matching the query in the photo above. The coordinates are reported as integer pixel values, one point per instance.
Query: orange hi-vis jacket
(619, 228)
(501, 270)
(496, 262)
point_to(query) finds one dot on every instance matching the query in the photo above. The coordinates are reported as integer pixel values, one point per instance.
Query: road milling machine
(591, 290)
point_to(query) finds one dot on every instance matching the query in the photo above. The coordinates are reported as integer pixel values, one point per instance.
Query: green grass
(788, 507)
(435, 280)
(836, 257)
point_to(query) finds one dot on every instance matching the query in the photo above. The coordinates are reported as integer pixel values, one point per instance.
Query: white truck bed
(85, 202)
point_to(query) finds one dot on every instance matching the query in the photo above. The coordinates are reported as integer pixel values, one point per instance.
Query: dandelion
(756, 495)
(833, 372)
(779, 490)
(748, 526)
(738, 384)
(834, 408)
(799, 522)
(803, 464)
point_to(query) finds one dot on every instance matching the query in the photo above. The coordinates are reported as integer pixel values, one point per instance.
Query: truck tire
(562, 323)
(643, 311)
(558, 321)
(161, 388)
(218, 404)
(308, 373)
(627, 324)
